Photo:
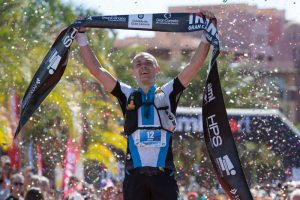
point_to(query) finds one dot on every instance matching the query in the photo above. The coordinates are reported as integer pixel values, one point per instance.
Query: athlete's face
(144, 70)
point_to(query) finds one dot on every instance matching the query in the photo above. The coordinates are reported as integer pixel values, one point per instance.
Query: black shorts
(140, 184)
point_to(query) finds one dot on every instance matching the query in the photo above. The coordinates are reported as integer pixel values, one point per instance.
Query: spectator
(4, 190)
(28, 173)
(17, 187)
(119, 191)
(75, 196)
(35, 181)
(74, 189)
(34, 194)
(192, 196)
(202, 195)
(88, 191)
(295, 195)
(108, 191)
(193, 185)
(6, 170)
(45, 187)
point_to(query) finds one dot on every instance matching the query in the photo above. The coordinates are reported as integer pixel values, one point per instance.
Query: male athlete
(149, 119)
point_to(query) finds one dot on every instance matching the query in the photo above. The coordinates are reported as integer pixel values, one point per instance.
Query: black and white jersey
(144, 147)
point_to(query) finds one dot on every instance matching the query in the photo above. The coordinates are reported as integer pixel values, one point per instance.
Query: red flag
(39, 160)
(71, 157)
(14, 155)
(14, 152)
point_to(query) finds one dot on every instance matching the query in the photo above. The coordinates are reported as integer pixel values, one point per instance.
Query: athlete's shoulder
(173, 84)
(122, 88)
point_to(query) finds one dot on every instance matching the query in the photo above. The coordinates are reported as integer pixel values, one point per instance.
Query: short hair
(17, 176)
(44, 183)
(34, 194)
(35, 180)
(145, 55)
(5, 160)
(73, 181)
(44, 180)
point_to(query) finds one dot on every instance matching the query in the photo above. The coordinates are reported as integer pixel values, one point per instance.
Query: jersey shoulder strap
(134, 100)
(161, 104)
(131, 115)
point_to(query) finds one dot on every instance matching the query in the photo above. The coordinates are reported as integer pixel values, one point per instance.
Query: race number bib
(150, 138)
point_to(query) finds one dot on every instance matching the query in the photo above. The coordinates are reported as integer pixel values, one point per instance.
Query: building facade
(262, 38)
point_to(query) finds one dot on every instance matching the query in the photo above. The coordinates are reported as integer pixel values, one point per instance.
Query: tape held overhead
(218, 137)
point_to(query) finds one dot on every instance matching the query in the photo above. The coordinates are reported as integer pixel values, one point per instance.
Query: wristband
(82, 39)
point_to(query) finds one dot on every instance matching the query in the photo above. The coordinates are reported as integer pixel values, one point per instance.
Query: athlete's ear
(133, 72)
(157, 69)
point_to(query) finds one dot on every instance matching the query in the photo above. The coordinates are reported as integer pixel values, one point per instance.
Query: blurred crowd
(25, 185)
(279, 191)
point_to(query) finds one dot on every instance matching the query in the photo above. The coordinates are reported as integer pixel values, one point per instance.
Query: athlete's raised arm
(92, 63)
(196, 63)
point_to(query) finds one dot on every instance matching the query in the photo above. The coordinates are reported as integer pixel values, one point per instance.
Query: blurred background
(76, 133)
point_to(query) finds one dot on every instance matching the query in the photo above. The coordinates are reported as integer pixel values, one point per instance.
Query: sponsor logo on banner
(214, 131)
(225, 166)
(67, 41)
(234, 192)
(140, 21)
(31, 91)
(53, 61)
(197, 22)
(209, 95)
(189, 124)
(167, 19)
(114, 18)
(193, 124)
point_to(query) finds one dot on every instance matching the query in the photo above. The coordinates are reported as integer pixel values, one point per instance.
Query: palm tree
(24, 40)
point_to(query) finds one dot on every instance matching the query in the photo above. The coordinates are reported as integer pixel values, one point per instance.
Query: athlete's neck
(146, 88)
(146, 85)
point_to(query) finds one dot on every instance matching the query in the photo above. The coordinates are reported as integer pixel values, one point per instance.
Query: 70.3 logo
(67, 40)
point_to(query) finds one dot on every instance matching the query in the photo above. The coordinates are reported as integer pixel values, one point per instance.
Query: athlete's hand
(81, 37)
(208, 14)
(81, 29)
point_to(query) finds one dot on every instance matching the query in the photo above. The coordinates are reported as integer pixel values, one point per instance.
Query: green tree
(260, 163)
(242, 87)
(26, 35)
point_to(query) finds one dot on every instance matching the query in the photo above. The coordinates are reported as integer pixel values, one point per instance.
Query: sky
(118, 7)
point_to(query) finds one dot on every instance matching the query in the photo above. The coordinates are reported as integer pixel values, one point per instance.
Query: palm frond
(101, 153)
